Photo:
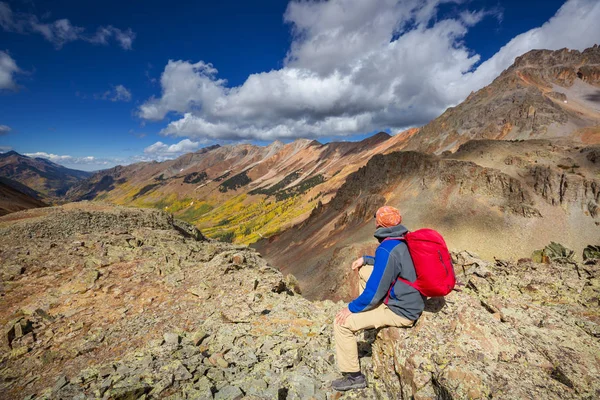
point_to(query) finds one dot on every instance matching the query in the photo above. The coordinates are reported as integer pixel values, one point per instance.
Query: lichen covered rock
(134, 307)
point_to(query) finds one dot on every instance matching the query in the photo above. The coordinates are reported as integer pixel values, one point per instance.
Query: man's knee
(343, 328)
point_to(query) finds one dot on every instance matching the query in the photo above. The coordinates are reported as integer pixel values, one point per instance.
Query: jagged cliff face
(545, 94)
(242, 192)
(119, 303)
(497, 198)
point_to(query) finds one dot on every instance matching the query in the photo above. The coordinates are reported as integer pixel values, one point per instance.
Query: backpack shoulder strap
(402, 238)
(398, 278)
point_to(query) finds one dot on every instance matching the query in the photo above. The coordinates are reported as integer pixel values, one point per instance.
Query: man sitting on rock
(403, 305)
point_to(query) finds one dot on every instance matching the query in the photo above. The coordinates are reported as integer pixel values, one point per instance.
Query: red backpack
(433, 264)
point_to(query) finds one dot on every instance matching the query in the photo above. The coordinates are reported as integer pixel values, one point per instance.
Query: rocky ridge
(96, 308)
(544, 94)
(146, 309)
(116, 303)
(82, 286)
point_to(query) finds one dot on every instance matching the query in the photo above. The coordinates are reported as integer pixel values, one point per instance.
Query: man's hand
(341, 317)
(359, 262)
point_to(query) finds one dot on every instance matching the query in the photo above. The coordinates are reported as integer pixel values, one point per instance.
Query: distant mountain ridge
(239, 191)
(49, 179)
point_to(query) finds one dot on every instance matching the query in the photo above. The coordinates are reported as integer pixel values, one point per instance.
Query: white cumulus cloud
(61, 31)
(8, 68)
(161, 151)
(355, 66)
(5, 130)
(66, 159)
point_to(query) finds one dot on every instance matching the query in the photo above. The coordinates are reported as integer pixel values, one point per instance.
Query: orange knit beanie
(388, 216)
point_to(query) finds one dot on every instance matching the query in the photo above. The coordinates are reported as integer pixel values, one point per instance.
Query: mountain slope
(43, 176)
(122, 303)
(496, 213)
(16, 197)
(544, 94)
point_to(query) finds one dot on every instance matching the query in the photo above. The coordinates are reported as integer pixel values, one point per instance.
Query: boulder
(591, 253)
(229, 393)
(554, 251)
(171, 338)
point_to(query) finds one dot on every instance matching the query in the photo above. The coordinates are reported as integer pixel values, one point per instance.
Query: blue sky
(94, 84)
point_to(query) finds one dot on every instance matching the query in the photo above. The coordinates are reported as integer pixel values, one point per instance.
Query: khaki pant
(345, 341)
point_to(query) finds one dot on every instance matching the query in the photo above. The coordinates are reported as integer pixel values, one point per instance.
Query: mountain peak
(375, 139)
(544, 94)
(564, 56)
(276, 143)
(11, 153)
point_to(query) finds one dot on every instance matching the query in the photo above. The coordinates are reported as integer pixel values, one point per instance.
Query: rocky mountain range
(49, 180)
(109, 302)
(237, 192)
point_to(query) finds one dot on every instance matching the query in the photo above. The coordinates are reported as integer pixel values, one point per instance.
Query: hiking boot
(348, 382)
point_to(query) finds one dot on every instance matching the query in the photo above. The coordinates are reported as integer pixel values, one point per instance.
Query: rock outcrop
(384, 172)
(511, 331)
(561, 187)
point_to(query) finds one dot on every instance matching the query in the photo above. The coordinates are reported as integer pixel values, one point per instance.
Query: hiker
(378, 281)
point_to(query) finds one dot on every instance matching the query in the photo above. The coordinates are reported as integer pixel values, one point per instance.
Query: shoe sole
(346, 388)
